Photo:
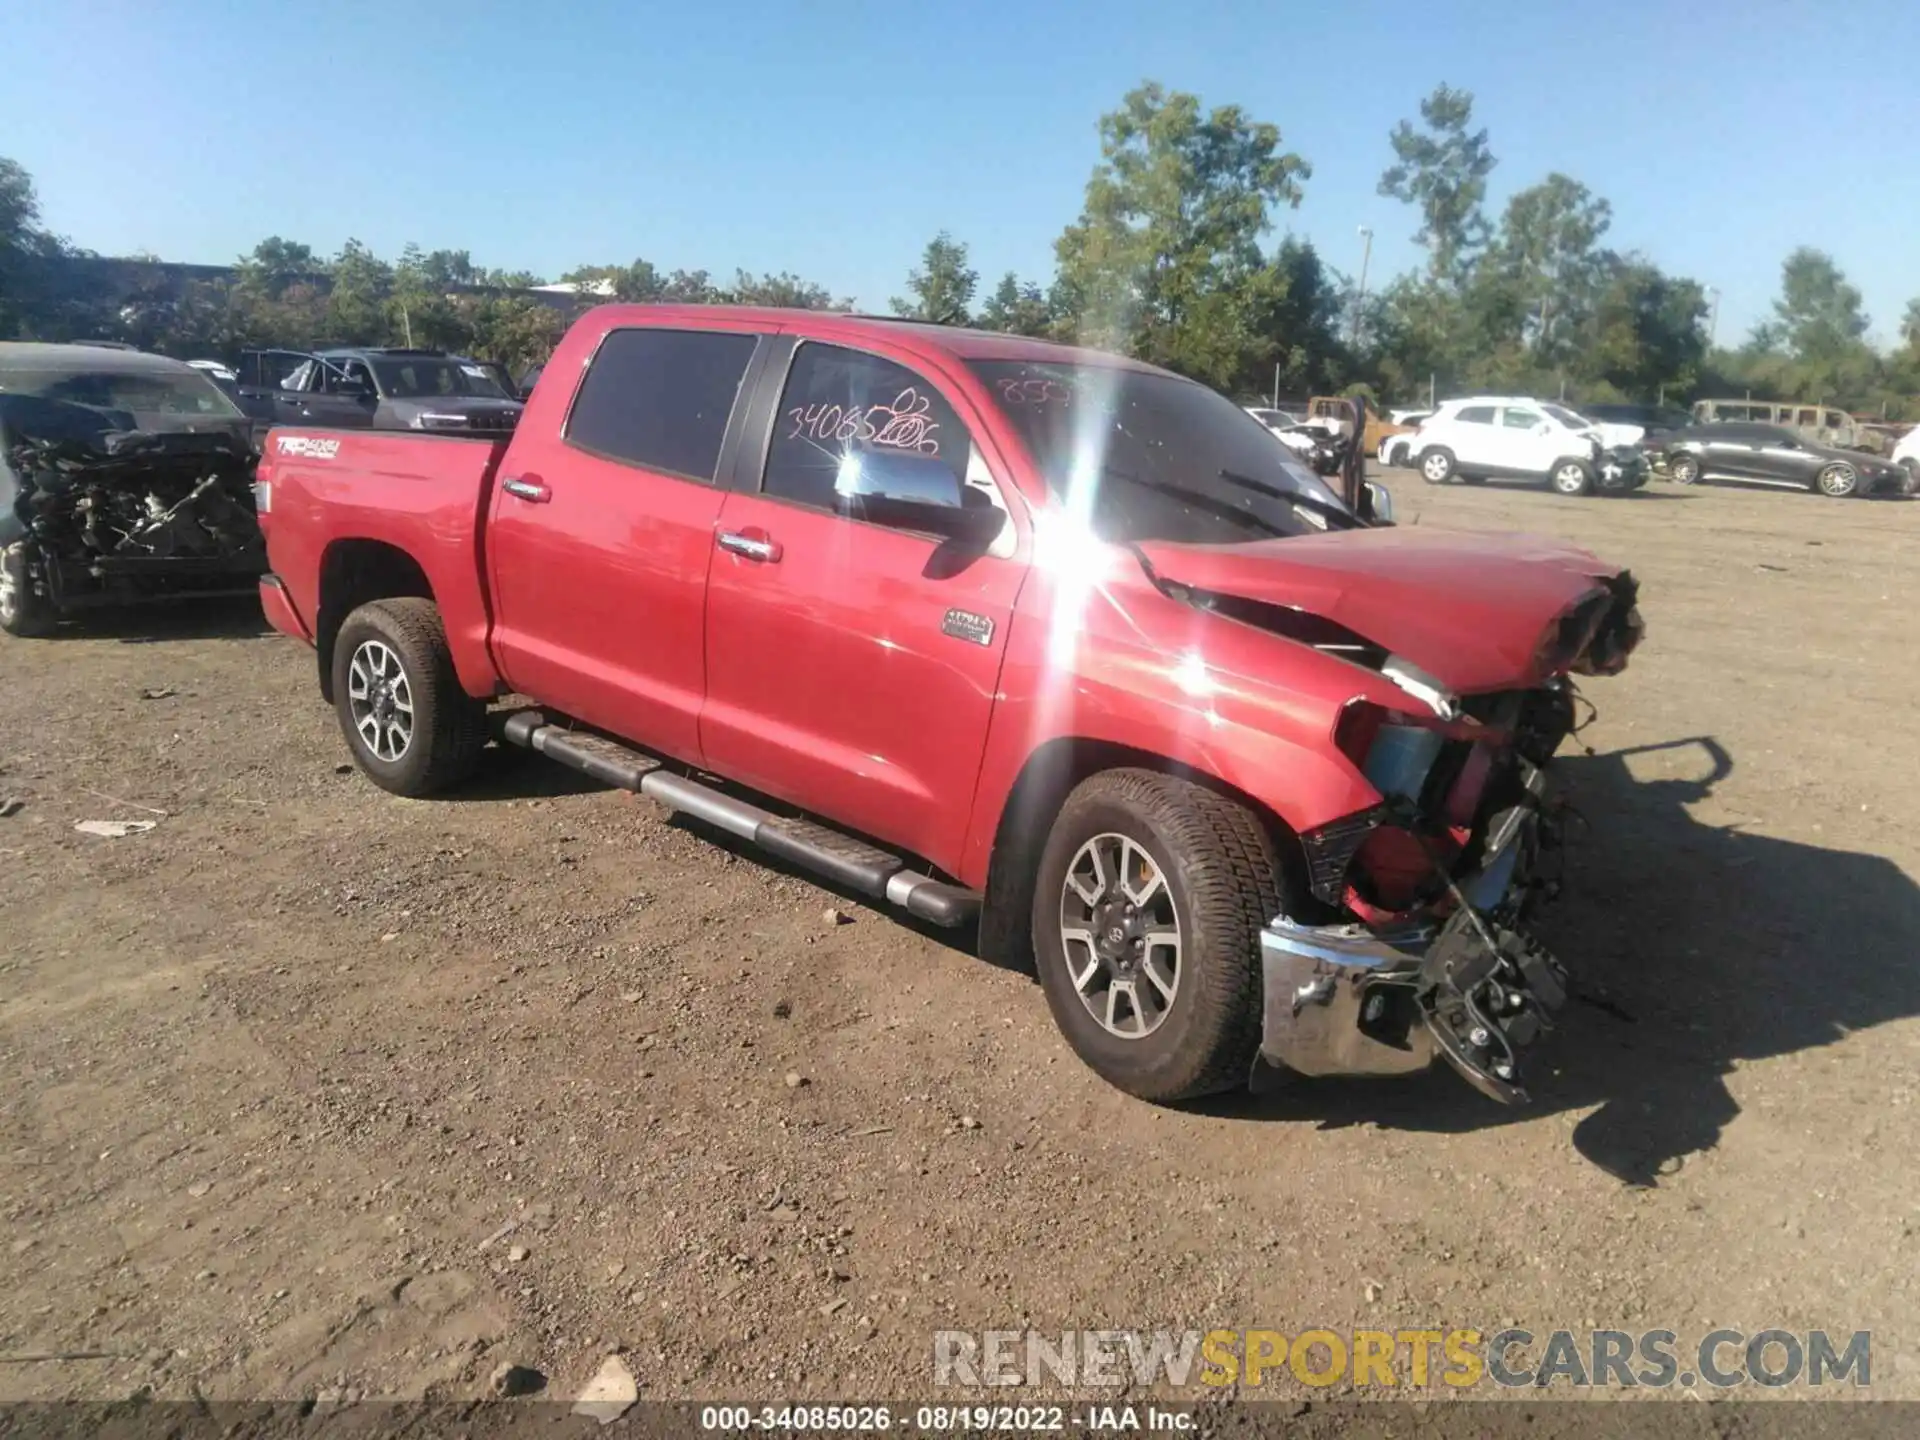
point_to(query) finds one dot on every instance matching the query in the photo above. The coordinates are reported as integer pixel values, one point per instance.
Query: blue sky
(833, 137)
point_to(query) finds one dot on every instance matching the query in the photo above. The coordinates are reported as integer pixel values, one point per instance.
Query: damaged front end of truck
(1416, 939)
(99, 517)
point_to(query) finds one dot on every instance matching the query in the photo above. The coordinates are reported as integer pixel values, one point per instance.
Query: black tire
(448, 727)
(1437, 465)
(1223, 876)
(23, 612)
(1838, 481)
(1683, 470)
(1571, 477)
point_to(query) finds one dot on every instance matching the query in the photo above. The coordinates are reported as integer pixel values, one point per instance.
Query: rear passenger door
(601, 536)
(851, 665)
(1476, 443)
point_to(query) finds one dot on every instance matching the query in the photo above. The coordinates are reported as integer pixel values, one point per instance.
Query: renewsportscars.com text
(1457, 1359)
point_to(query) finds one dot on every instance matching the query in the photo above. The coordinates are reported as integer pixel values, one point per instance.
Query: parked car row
(1609, 449)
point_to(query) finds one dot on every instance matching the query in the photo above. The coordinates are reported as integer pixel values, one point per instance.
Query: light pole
(1360, 302)
(1713, 315)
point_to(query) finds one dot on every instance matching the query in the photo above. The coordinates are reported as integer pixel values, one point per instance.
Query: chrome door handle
(531, 490)
(765, 551)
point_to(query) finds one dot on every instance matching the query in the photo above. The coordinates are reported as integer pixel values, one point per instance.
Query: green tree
(1441, 168)
(22, 247)
(518, 332)
(942, 288)
(1164, 261)
(784, 291)
(1646, 332)
(423, 308)
(357, 305)
(1298, 308)
(1017, 308)
(1548, 253)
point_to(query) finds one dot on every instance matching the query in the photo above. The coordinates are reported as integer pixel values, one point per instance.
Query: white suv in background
(1487, 435)
(1907, 456)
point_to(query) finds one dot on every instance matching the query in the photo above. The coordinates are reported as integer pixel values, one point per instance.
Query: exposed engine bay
(110, 516)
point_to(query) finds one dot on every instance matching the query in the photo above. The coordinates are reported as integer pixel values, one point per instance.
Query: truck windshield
(426, 379)
(1153, 457)
(186, 392)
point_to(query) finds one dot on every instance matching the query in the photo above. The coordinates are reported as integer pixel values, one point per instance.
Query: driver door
(1529, 442)
(345, 395)
(851, 664)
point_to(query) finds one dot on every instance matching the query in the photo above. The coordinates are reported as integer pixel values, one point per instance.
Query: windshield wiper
(1200, 499)
(1293, 497)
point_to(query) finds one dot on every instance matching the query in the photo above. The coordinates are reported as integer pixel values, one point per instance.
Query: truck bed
(336, 499)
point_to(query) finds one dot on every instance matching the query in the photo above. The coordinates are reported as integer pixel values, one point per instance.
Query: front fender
(1146, 674)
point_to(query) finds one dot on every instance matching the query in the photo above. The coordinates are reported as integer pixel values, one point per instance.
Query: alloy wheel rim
(1120, 932)
(1569, 478)
(1434, 468)
(1837, 479)
(380, 700)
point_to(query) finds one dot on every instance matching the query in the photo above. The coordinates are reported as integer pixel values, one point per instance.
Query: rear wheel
(1147, 912)
(1838, 480)
(23, 611)
(1571, 477)
(1683, 470)
(1436, 465)
(411, 727)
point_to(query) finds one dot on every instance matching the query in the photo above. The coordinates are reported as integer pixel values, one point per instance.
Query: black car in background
(373, 389)
(1750, 454)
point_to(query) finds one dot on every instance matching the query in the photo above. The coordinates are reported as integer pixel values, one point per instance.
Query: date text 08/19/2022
(944, 1419)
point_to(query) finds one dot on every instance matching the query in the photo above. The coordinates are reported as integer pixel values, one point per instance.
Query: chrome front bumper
(1349, 1000)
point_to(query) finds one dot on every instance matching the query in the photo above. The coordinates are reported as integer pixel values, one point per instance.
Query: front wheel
(23, 610)
(1683, 470)
(1571, 477)
(410, 726)
(1436, 466)
(1147, 913)
(1838, 480)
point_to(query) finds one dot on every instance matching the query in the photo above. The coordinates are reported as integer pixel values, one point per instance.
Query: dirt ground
(278, 1074)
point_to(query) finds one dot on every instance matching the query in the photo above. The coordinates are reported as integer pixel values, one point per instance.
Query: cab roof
(952, 340)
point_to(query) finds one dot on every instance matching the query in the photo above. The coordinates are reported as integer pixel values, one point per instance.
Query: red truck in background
(989, 628)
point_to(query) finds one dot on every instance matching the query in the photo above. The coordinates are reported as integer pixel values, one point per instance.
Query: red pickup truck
(989, 629)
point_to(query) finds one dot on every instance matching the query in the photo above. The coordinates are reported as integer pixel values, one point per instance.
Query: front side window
(841, 402)
(661, 398)
(1519, 419)
(1476, 415)
(350, 378)
(1147, 456)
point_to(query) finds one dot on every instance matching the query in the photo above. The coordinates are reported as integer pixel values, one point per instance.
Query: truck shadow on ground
(1693, 948)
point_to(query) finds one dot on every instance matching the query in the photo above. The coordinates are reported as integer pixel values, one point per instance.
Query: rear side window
(1476, 415)
(839, 402)
(661, 398)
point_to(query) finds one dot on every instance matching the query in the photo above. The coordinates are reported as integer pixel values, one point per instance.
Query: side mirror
(910, 491)
(1377, 506)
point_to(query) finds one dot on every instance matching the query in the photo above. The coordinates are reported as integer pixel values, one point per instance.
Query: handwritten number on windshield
(905, 424)
(1035, 391)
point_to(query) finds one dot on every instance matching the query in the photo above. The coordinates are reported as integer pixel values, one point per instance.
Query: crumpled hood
(1470, 609)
